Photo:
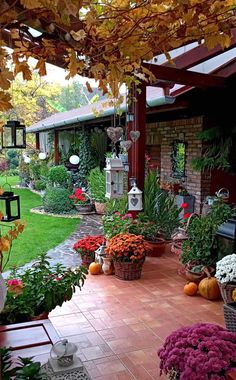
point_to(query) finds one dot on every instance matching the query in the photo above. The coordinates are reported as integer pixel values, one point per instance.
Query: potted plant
(116, 223)
(226, 277)
(97, 189)
(128, 252)
(199, 248)
(38, 290)
(200, 351)
(87, 247)
(82, 201)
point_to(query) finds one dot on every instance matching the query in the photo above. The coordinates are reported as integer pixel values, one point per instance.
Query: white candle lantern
(135, 199)
(114, 178)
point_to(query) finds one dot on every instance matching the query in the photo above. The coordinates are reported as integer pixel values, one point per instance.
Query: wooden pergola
(167, 74)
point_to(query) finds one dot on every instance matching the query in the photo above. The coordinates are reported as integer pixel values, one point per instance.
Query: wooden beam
(226, 70)
(189, 78)
(37, 141)
(199, 54)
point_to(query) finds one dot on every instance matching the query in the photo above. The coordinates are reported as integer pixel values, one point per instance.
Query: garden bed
(40, 210)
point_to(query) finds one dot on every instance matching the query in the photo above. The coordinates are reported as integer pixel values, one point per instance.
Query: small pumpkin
(190, 289)
(209, 288)
(94, 268)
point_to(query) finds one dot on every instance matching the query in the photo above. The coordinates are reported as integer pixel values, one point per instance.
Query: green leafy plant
(39, 289)
(40, 185)
(57, 201)
(24, 369)
(200, 245)
(151, 189)
(59, 176)
(99, 145)
(12, 157)
(116, 223)
(97, 185)
(117, 205)
(86, 158)
(166, 213)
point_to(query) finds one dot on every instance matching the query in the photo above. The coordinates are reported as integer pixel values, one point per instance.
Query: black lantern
(226, 238)
(10, 206)
(13, 135)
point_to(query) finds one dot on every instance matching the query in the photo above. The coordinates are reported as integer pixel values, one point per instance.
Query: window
(178, 156)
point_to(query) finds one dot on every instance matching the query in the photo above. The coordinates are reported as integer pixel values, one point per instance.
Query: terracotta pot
(100, 208)
(43, 315)
(188, 275)
(168, 244)
(157, 247)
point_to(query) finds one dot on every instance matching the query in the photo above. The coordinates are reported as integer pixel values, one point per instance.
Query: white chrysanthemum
(226, 269)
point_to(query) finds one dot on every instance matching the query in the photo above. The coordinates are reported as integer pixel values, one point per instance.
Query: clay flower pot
(157, 247)
(100, 208)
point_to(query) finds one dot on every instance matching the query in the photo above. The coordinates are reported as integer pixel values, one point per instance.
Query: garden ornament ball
(42, 156)
(74, 160)
(27, 160)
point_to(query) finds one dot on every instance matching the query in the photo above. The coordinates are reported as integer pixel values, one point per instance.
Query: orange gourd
(190, 289)
(94, 268)
(209, 288)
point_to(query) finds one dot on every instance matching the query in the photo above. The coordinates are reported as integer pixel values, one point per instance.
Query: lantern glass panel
(3, 209)
(19, 136)
(8, 138)
(108, 182)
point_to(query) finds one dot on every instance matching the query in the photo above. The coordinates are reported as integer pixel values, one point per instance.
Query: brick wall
(197, 184)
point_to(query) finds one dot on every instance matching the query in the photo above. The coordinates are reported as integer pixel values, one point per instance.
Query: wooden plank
(185, 77)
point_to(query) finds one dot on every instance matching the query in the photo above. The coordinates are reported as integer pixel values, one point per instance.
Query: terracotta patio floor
(119, 326)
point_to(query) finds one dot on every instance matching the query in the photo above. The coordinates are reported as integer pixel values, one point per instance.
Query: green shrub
(97, 185)
(117, 205)
(59, 176)
(57, 201)
(34, 168)
(40, 185)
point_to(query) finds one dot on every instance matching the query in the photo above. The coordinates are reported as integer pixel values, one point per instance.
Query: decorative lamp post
(13, 135)
(135, 201)
(9, 206)
(114, 178)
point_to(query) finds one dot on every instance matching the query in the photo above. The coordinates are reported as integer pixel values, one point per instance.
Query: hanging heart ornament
(114, 133)
(126, 144)
(134, 135)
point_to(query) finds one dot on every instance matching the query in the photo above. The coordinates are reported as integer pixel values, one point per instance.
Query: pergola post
(56, 147)
(137, 151)
(37, 141)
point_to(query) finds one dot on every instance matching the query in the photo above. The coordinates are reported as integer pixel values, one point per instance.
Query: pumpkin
(209, 288)
(190, 289)
(94, 268)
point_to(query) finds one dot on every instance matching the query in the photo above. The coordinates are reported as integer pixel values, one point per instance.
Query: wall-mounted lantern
(9, 206)
(13, 135)
(114, 178)
(135, 199)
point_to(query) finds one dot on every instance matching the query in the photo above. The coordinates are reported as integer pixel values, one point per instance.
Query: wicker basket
(230, 316)
(226, 291)
(128, 271)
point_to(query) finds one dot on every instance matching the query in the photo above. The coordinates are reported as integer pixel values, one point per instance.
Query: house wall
(166, 132)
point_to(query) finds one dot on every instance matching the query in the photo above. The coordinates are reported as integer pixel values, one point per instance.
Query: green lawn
(41, 232)
(13, 181)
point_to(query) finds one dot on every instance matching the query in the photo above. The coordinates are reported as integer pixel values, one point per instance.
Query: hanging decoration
(114, 133)
(135, 202)
(9, 205)
(126, 144)
(74, 159)
(134, 135)
(114, 177)
(13, 135)
(42, 156)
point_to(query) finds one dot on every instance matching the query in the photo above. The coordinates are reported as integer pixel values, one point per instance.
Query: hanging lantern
(74, 160)
(13, 135)
(42, 156)
(114, 178)
(135, 200)
(9, 206)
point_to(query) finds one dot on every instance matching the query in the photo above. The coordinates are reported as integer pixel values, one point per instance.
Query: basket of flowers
(200, 351)
(87, 247)
(128, 252)
(82, 201)
(226, 276)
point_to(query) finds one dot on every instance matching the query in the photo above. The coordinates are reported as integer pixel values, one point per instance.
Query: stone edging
(39, 211)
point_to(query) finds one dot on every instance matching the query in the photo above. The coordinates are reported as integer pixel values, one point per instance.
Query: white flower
(226, 269)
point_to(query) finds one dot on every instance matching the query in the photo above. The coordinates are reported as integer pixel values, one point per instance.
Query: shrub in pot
(56, 200)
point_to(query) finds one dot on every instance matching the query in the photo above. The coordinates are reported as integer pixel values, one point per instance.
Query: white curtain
(66, 138)
(44, 142)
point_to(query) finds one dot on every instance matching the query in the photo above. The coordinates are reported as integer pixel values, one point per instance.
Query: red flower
(184, 205)
(186, 215)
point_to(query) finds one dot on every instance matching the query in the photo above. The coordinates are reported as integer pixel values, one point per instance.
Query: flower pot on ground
(82, 201)
(87, 246)
(200, 351)
(100, 207)
(128, 252)
(157, 247)
(38, 290)
(97, 189)
(195, 273)
(108, 265)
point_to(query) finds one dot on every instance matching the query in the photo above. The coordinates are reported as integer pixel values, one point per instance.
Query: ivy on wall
(86, 158)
